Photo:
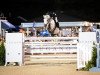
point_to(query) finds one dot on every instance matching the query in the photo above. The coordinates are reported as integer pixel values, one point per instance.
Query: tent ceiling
(6, 25)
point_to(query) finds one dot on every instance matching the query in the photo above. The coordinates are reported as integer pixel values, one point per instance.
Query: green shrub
(94, 56)
(88, 66)
(2, 54)
(92, 62)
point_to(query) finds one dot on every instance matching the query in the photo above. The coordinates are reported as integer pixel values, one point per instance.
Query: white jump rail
(49, 38)
(50, 45)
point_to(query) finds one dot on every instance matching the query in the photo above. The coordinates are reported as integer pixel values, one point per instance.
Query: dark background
(16, 10)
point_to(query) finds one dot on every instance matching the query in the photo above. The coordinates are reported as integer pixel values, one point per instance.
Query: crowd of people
(31, 32)
(66, 32)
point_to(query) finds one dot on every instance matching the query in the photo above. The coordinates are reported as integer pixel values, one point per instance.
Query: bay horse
(51, 24)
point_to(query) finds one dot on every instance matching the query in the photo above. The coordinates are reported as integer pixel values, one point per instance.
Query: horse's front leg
(45, 28)
(60, 34)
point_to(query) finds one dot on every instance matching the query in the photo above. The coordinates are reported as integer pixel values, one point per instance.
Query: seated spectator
(21, 30)
(31, 33)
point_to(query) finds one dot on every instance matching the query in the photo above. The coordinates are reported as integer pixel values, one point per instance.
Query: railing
(50, 45)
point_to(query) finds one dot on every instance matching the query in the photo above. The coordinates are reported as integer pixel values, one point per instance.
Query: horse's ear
(43, 15)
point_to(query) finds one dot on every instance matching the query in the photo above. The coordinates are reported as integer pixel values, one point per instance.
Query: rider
(55, 19)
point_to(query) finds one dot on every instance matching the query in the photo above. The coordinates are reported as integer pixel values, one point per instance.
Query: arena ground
(44, 69)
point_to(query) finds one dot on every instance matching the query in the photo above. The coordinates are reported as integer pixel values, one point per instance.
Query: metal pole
(98, 48)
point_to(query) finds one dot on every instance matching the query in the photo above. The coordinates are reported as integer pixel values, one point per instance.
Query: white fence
(50, 44)
(84, 48)
(14, 47)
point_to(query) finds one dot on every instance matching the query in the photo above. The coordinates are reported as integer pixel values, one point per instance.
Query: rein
(50, 26)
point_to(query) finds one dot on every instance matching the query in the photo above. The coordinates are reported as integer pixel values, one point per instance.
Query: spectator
(21, 30)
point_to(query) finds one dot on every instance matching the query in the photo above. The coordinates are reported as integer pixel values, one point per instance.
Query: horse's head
(46, 18)
(48, 21)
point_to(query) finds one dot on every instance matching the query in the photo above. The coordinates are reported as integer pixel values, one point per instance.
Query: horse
(51, 24)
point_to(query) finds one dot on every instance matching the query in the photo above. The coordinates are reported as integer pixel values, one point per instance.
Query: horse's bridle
(49, 24)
